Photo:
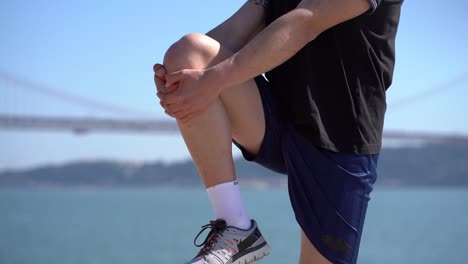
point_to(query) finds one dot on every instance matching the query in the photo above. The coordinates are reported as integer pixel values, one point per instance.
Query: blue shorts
(329, 191)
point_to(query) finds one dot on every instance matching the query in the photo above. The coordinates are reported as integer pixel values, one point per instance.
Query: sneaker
(230, 245)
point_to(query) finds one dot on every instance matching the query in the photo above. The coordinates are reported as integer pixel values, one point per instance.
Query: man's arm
(280, 40)
(237, 30)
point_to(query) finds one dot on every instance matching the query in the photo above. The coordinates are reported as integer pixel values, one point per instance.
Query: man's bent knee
(192, 51)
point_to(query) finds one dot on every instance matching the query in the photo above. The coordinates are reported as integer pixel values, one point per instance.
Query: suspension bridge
(142, 123)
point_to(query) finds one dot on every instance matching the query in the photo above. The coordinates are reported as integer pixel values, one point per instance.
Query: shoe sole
(254, 256)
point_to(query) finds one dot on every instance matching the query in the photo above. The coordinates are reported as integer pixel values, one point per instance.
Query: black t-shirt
(333, 90)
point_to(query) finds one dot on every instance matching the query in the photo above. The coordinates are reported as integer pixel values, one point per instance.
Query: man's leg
(309, 254)
(237, 114)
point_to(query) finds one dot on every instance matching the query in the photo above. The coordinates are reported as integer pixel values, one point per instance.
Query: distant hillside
(432, 165)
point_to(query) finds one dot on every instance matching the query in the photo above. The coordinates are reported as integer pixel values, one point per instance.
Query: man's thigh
(244, 107)
(242, 103)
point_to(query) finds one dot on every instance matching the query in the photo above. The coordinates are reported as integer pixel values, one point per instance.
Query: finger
(187, 117)
(173, 78)
(159, 70)
(175, 115)
(162, 105)
(169, 98)
(190, 115)
(174, 108)
(169, 106)
(173, 98)
(169, 114)
(156, 67)
(160, 83)
(161, 96)
(179, 115)
(171, 88)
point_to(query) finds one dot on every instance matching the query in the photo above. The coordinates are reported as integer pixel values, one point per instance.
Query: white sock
(227, 204)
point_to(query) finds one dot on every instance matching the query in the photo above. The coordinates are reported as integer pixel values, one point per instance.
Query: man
(318, 118)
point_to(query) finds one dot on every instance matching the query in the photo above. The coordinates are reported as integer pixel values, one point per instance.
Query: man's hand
(160, 81)
(188, 93)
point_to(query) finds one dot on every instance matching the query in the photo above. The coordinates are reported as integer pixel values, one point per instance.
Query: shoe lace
(216, 232)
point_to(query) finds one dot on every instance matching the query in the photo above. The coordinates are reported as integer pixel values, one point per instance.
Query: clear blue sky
(105, 50)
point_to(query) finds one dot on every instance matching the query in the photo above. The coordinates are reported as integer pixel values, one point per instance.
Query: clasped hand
(184, 94)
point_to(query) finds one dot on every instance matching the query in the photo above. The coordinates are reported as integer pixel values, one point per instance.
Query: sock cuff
(223, 185)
